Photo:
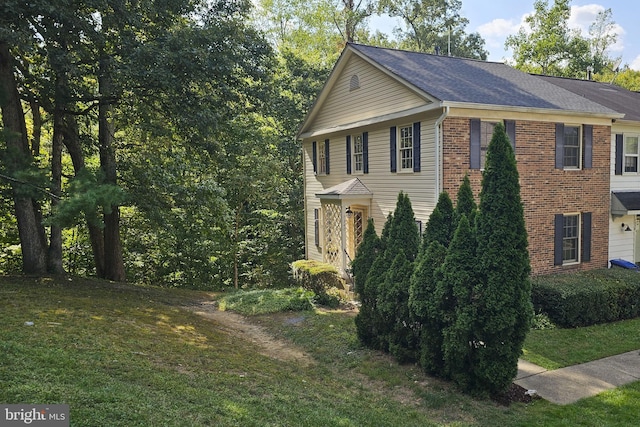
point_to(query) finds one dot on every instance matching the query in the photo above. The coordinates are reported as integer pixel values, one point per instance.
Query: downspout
(438, 131)
(305, 201)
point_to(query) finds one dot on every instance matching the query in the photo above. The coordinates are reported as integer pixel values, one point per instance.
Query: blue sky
(497, 19)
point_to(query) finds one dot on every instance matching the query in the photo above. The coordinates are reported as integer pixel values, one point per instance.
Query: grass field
(122, 355)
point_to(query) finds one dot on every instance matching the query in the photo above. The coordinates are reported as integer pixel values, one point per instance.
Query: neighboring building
(390, 121)
(624, 221)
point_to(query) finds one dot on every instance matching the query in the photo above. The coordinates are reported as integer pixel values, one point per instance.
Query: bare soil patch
(239, 326)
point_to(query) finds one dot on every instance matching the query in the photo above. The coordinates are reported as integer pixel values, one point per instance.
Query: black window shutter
(557, 239)
(316, 226)
(314, 156)
(586, 236)
(587, 133)
(326, 154)
(619, 153)
(392, 148)
(365, 152)
(348, 154)
(559, 145)
(416, 147)
(510, 128)
(474, 144)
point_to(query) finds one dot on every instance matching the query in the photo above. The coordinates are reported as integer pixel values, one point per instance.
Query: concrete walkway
(570, 384)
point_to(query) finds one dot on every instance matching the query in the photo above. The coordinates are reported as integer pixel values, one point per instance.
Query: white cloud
(583, 16)
(635, 64)
(498, 28)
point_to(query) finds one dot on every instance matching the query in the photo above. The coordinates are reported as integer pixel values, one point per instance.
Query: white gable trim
(370, 121)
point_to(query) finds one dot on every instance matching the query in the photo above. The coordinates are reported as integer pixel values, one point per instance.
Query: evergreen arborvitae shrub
(440, 226)
(502, 296)
(368, 321)
(465, 203)
(458, 311)
(398, 332)
(424, 307)
(365, 255)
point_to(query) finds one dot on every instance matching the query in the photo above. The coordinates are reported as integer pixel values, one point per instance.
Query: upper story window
(322, 157)
(572, 147)
(631, 154)
(320, 153)
(486, 133)
(480, 134)
(358, 153)
(405, 147)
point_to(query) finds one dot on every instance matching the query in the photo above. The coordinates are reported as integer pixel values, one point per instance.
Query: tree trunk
(37, 128)
(54, 262)
(72, 142)
(32, 237)
(114, 264)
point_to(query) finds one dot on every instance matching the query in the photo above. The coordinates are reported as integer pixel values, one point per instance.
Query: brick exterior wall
(545, 190)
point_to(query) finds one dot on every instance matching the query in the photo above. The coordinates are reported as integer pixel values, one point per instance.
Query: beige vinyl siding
(378, 95)
(420, 186)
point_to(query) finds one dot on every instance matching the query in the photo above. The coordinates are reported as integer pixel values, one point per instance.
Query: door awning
(625, 203)
(354, 188)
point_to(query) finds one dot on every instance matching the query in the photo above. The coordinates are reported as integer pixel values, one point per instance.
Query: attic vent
(354, 83)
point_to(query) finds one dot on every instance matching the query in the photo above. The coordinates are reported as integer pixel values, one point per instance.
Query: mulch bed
(515, 393)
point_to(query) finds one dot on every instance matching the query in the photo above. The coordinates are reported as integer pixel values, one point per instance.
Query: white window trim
(354, 153)
(579, 242)
(322, 159)
(624, 153)
(399, 149)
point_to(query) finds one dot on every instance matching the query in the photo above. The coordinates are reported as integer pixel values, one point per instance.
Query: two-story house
(388, 121)
(624, 221)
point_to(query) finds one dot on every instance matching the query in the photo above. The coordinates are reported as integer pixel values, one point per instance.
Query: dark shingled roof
(630, 200)
(353, 187)
(615, 97)
(473, 81)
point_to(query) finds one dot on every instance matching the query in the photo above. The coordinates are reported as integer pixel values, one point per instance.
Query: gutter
(438, 132)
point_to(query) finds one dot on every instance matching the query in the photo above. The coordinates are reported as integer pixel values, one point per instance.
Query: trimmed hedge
(588, 298)
(320, 278)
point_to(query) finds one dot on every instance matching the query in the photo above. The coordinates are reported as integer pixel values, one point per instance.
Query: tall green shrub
(465, 203)
(440, 226)
(424, 307)
(503, 293)
(399, 236)
(365, 255)
(368, 321)
(458, 311)
(397, 332)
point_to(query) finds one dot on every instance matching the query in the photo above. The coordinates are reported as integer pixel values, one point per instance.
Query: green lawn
(123, 355)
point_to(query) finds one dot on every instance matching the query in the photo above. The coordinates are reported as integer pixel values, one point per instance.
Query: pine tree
(503, 293)
(440, 226)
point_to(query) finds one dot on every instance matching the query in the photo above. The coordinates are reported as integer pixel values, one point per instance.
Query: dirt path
(239, 326)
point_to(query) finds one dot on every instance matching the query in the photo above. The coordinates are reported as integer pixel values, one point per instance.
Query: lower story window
(570, 239)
